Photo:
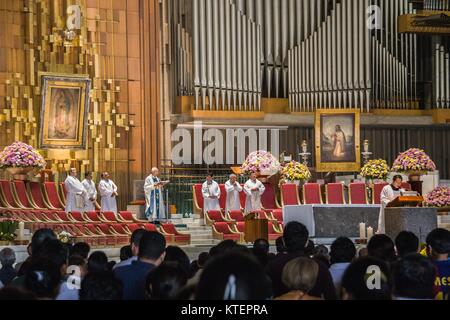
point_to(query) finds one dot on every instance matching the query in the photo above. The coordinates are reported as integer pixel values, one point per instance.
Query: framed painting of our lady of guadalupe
(64, 112)
(338, 140)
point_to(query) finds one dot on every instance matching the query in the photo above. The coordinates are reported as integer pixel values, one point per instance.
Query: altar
(332, 221)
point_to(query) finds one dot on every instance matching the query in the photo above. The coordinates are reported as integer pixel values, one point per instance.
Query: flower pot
(20, 173)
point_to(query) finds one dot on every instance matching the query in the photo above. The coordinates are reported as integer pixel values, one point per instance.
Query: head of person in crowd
(406, 242)
(231, 276)
(15, 294)
(382, 247)
(7, 257)
(152, 248)
(209, 177)
(177, 255)
(321, 253)
(73, 172)
(414, 276)
(367, 278)
(397, 181)
(300, 276)
(88, 175)
(135, 240)
(202, 259)
(227, 246)
(125, 253)
(261, 248)
(165, 281)
(438, 244)
(43, 278)
(296, 237)
(281, 247)
(342, 250)
(81, 249)
(39, 237)
(56, 252)
(97, 262)
(101, 286)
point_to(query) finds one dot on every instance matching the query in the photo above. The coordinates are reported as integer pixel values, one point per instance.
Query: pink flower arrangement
(262, 162)
(413, 160)
(19, 155)
(439, 197)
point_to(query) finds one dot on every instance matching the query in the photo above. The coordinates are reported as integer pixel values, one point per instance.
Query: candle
(362, 230)
(369, 233)
(366, 145)
(21, 230)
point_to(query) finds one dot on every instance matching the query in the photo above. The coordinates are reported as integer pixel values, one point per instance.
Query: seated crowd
(149, 270)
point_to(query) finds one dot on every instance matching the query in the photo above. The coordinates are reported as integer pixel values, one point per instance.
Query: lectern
(405, 201)
(256, 228)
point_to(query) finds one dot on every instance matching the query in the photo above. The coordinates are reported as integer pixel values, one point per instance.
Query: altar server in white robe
(153, 189)
(108, 192)
(233, 189)
(211, 194)
(91, 192)
(75, 192)
(388, 194)
(253, 189)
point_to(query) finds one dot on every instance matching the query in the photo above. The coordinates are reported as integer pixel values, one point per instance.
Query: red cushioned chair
(236, 215)
(108, 217)
(242, 198)
(64, 216)
(128, 217)
(105, 229)
(223, 197)
(377, 188)
(102, 239)
(197, 196)
(21, 195)
(357, 193)
(120, 229)
(334, 193)
(312, 194)
(36, 196)
(52, 216)
(269, 199)
(179, 238)
(6, 195)
(92, 217)
(289, 195)
(274, 231)
(77, 216)
(153, 228)
(277, 216)
(51, 196)
(132, 227)
(240, 227)
(214, 216)
(62, 192)
(222, 231)
(406, 186)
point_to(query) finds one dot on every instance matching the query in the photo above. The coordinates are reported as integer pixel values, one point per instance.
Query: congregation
(403, 269)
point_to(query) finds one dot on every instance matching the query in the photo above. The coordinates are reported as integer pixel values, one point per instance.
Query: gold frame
(342, 166)
(50, 81)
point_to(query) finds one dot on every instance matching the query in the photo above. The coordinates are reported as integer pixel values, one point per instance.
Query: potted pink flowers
(414, 162)
(262, 163)
(20, 158)
(439, 198)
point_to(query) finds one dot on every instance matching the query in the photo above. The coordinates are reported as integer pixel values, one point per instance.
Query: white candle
(362, 230)
(369, 233)
(21, 230)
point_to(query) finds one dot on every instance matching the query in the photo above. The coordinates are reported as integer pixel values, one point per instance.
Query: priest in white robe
(233, 189)
(388, 194)
(253, 189)
(91, 192)
(75, 192)
(108, 192)
(211, 194)
(153, 189)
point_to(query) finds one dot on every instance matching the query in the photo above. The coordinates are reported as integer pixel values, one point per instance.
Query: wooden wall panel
(118, 49)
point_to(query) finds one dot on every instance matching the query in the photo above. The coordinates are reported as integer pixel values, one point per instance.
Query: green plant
(7, 229)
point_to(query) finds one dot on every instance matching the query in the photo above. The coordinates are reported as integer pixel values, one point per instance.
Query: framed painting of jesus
(338, 140)
(64, 112)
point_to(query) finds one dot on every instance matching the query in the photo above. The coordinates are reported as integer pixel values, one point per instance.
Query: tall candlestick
(369, 233)
(21, 230)
(362, 231)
